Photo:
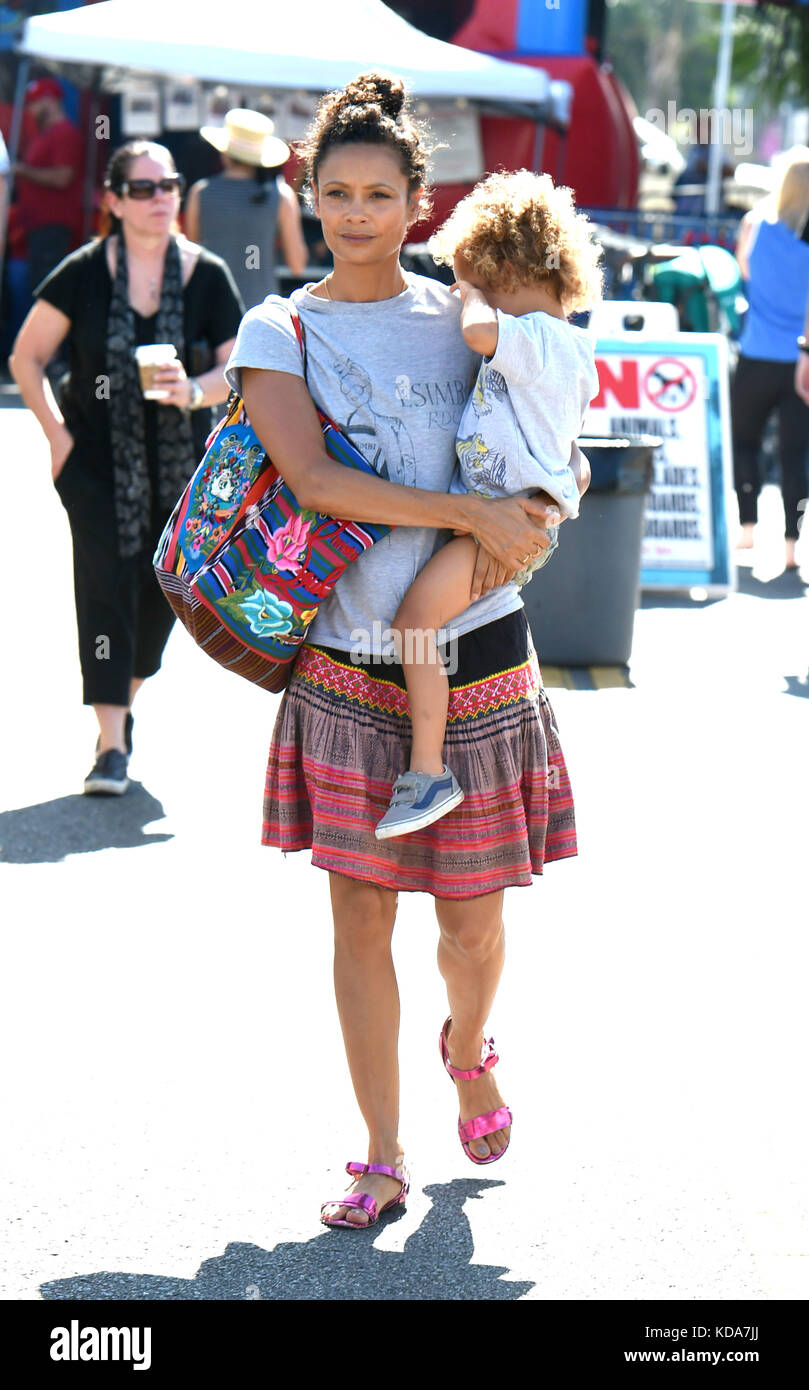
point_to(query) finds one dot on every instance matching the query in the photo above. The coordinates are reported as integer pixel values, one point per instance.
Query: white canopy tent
(305, 45)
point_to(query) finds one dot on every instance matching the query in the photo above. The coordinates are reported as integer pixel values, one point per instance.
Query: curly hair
(373, 109)
(517, 229)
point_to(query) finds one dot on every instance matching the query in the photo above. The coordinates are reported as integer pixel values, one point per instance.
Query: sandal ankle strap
(360, 1169)
(488, 1058)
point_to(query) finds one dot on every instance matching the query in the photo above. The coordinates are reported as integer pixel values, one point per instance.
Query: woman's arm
(191, 212)
(284, 418)
(173, 379)
(802, 364)
(290, 229)
(43, 330)
(744, 244)
(213, 382)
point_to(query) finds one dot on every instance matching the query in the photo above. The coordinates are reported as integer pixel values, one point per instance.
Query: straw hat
(247, 135)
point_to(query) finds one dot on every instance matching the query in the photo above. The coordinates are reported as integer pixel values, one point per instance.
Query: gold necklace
(331, 273)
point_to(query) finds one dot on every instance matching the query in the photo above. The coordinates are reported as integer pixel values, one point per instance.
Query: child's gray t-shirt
(395, 375)
(527, 408)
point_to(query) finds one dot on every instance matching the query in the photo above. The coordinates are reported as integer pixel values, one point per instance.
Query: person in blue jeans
(773, 253)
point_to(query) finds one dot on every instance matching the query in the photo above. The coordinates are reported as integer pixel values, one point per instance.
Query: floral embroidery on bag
(220, 491)
(267, 615)
(286, 547)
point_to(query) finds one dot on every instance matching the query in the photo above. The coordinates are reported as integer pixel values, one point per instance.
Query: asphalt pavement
(175, 1098)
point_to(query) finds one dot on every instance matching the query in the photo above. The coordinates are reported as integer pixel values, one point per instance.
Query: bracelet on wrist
(803, 344)
(197, 394)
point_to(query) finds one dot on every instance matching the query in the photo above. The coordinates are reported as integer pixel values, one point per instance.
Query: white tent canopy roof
(305, 45)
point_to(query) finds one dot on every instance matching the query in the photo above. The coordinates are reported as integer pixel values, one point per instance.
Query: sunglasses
(142, 189)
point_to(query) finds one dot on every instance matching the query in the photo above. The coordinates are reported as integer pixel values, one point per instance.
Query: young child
(523, 260)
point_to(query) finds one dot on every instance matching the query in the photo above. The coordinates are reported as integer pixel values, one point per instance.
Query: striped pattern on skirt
(343, 734)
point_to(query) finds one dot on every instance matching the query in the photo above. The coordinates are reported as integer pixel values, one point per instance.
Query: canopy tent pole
(14, 145)
(91, 157)
(539, 146)
(721, 85)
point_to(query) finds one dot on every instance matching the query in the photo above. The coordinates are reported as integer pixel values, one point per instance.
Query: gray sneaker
(108, 777)
(417, 800)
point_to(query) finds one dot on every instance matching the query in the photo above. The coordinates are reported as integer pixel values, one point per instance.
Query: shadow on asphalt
(798, 685)
(50, 831)
(788, 584)
(785, 585)
(436, 1263)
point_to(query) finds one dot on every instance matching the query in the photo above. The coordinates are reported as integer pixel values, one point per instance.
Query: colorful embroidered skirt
(343, 734)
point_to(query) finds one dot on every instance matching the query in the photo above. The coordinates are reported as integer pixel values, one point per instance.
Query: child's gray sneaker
(417, 800)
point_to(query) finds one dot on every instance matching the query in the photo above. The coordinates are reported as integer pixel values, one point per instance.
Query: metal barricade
(677, 229)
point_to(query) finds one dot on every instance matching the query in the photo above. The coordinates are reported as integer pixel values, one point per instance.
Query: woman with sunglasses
(119, 462)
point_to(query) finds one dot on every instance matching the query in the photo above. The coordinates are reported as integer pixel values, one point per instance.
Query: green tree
(663, 50)
(666, 49)
(771, 52)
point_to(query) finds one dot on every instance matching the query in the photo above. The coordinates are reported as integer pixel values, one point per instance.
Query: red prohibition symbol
(670, 384)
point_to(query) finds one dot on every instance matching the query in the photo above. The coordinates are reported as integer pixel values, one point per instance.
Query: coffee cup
(150, 359)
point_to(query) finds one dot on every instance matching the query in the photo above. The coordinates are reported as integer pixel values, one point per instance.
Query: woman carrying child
(387, 349)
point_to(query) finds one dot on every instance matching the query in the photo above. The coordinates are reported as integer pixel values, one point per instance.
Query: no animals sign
(676, 389)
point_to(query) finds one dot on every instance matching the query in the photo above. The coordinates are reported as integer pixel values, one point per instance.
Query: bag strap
(234, 397)
(298, 326)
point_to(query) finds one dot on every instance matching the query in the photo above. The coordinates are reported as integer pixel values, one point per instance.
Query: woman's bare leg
(368, 1005)
(110, 727)
(439, 593)
(471, 950)
(112, 718)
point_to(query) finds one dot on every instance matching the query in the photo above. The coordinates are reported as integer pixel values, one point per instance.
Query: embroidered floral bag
(244, 567)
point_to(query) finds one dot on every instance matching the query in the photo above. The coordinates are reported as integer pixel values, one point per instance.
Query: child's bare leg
(440, 592)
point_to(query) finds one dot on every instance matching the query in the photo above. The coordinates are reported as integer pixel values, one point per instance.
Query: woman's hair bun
(373, 109)
(378, 89)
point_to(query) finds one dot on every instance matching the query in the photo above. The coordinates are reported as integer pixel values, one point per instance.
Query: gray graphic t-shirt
(395, 376)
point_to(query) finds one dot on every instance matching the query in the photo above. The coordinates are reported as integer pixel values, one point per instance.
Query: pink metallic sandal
(482, 1124)
(363, 1201)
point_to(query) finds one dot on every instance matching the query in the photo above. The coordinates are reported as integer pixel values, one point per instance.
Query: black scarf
(176, 456)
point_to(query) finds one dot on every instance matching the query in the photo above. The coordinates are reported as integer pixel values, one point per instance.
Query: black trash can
(581, 605)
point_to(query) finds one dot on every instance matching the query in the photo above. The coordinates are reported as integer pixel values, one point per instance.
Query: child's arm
(478, 320)
(580, 468)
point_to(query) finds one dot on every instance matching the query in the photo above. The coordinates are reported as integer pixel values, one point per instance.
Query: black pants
(123, 619)
(760, 387)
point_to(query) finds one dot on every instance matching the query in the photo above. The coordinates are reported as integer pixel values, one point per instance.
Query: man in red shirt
(49, 181)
